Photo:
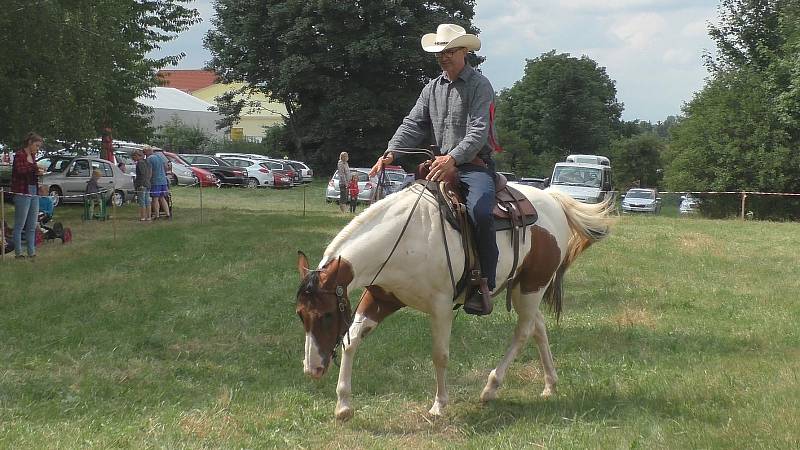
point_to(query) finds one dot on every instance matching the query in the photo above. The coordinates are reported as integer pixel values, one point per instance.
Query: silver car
(69, 184)
(365, 186)
(641, 200)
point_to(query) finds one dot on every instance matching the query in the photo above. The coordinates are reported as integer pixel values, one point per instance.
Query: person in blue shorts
(158, 181)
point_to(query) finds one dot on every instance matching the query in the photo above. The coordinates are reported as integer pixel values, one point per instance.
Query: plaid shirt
(458, 114)
(23, 173)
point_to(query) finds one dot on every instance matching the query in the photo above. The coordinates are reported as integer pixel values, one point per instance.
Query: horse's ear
(302, 264)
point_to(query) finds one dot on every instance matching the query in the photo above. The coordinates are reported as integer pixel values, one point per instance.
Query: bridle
(342, 306)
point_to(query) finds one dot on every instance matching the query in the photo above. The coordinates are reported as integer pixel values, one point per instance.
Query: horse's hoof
(488, 394)
(548, 392)
(436, 410)
(344, 414)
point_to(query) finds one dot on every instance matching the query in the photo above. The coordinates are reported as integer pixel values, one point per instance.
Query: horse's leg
(375, 306)
(540, 335)
(441, 325)
(527, 305)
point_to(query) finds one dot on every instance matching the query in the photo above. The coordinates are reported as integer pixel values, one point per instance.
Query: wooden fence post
(744, 200)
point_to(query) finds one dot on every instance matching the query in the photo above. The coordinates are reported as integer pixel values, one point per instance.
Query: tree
(637, 158)
(176, 136)
(561, 105)
(347, 72)
(73, 68)
(741, 131)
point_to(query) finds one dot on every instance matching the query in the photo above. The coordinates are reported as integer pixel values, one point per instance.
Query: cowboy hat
(447, 36)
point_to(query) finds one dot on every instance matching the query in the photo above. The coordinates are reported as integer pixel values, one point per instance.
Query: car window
(396, 176)
(220, 162)
(274, 166)
(104, 168)
(58, 165)
(362, 177)
(79, 169)
(236, 162)
(203, 160)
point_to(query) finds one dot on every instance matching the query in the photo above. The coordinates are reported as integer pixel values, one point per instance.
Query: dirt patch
(631, 317)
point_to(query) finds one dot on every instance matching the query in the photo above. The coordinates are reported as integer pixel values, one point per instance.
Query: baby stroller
(52, 231)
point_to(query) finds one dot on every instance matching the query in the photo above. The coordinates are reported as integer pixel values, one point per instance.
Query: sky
(652, 48)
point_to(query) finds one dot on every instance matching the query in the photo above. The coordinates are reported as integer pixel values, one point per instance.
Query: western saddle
(513, 211)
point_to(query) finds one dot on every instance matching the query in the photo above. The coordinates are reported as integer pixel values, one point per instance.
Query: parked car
(180, 173)
(259, 172)
(126, 160)
(285, 167)
(69, 184)
(532, 181)
(241, 155)
(397, 179)
(365, 186)
(641, 200)
(689, 205)
(306, 174)
(283, 176)
(54, 163)
(227, 174)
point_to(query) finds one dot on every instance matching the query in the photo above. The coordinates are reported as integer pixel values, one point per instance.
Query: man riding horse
(457, 110)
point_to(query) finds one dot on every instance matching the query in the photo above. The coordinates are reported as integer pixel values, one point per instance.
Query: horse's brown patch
(541, 262)
(377, 304)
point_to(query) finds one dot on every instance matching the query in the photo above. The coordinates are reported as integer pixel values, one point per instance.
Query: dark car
(227, 174)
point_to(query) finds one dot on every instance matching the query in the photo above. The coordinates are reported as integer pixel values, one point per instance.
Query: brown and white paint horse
(417, 276)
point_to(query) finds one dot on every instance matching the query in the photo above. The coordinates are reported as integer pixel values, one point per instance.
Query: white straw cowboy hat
(447, 36)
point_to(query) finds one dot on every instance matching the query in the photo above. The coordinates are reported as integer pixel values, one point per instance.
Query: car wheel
(252, 183)
(117, 199)
(55, 195)
(174, 180)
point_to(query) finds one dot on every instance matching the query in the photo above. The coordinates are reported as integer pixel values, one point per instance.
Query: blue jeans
(477, 183)
(26, 210)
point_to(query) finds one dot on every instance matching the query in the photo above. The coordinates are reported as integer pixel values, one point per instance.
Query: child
(92, 192)
(45, 204)
(352, 189)
(142, 184)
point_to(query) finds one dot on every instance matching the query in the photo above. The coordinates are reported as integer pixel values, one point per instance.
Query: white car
(259, 172)
(689, 205)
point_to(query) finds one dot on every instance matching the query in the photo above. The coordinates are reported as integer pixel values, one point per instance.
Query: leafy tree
(637, 158)
(562, 105)
(176, 136)
(741, 131)
(347, 72)
(72, 68)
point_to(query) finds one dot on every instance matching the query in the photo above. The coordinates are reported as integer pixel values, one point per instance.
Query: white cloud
(638, 31)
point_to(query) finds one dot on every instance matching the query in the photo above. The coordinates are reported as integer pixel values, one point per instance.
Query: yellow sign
(237, 134)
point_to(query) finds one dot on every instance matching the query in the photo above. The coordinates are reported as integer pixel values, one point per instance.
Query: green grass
(677, 333)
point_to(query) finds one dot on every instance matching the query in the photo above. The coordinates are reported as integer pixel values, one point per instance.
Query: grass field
(677, 333)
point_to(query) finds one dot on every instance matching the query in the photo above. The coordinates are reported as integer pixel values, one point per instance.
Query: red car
(204, 177)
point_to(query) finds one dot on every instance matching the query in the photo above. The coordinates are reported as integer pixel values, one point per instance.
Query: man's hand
(382, 161)
(440, 166)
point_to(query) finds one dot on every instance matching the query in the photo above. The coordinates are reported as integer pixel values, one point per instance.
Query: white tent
(192, 111)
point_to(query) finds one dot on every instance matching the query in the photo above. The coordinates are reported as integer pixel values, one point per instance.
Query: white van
(587, 183)
(589, 159)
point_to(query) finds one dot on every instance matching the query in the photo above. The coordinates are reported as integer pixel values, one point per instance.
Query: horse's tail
(589, 223)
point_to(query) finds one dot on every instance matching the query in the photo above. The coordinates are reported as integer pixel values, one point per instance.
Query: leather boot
(479, 302)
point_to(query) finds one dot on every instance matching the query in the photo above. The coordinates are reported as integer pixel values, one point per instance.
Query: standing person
(344, 175)
(142, 184)
(24, 185)
(92, 193)
(352, 189)
(456, 111)
(158, 181)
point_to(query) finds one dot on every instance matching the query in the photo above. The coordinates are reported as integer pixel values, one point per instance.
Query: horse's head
(324, 309)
